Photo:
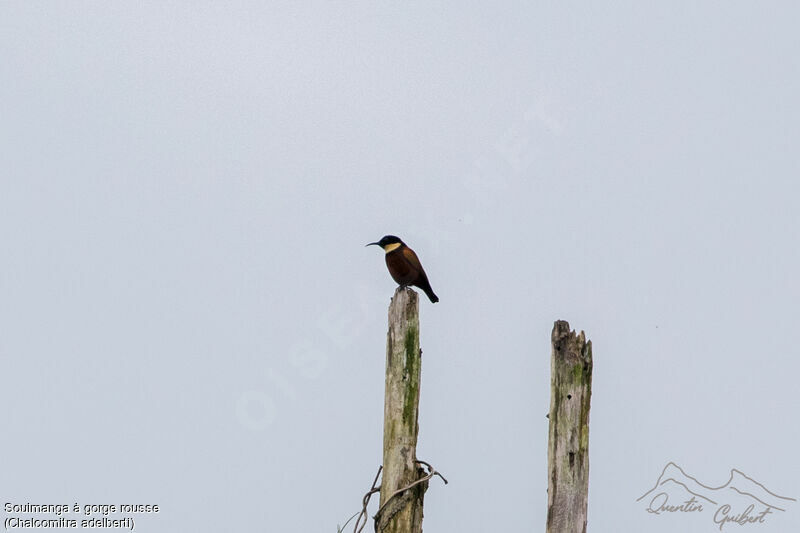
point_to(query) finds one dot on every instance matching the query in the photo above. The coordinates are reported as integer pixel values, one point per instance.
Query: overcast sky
(190, 317)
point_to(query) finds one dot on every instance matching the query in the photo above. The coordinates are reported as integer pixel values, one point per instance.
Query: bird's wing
(412, 260)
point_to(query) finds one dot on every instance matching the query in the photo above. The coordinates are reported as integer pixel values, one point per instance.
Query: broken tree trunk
(568, 445)
(403, 513)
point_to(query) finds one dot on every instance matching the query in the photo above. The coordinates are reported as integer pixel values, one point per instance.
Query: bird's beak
(370, 244)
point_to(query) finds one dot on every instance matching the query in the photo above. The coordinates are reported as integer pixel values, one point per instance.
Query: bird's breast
(399, 267)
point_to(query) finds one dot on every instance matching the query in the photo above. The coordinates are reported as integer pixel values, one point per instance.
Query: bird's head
(388, 243)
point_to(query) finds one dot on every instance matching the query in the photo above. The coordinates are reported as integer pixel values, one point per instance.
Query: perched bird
(404, 265)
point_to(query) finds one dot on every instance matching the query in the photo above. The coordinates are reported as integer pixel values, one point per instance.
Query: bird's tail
(427, 288)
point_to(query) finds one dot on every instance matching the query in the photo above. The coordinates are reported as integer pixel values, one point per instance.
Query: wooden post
(568, 446)
(400, 412)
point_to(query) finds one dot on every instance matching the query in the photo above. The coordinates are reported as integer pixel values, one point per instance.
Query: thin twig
(359, 526)
(431, 472)
(365, 502)
(340, 529)
(431, 469)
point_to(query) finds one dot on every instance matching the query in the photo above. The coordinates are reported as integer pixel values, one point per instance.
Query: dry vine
(359, 526)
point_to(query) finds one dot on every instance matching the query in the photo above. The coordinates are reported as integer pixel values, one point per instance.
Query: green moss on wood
(411, 369)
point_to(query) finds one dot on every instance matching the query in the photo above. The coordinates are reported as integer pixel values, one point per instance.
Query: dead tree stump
(403, 514)
(568, 443)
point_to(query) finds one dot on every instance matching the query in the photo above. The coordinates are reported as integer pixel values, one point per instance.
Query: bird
(404, 265)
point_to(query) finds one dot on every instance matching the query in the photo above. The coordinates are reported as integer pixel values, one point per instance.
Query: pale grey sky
(190, 318)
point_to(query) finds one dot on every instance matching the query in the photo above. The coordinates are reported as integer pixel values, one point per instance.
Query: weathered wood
(400, 415)
(568, 445)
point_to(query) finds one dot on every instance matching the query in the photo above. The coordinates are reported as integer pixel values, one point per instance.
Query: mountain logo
(741, 500)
